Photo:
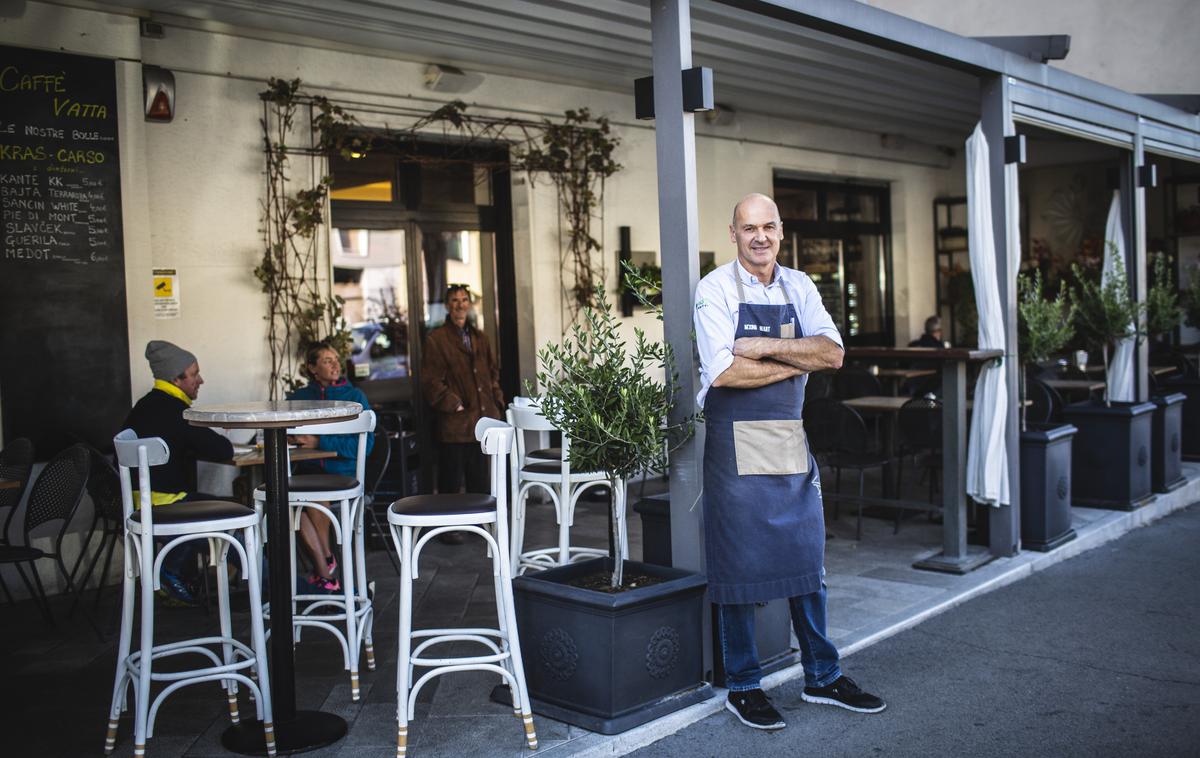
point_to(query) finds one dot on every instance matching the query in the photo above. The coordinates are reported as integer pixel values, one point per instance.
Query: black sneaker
(754, 710)
(844, 693)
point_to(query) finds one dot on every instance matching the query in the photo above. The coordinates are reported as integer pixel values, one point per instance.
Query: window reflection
(370, 275)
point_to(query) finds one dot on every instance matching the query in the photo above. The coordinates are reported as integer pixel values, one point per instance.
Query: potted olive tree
(1045, 327)
(611, 643)
(1163, 314)
(1111, 463)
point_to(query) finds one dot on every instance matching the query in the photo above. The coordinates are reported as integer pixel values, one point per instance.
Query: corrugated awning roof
(819, 61)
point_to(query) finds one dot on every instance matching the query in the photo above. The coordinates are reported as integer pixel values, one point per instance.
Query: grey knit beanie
(167, 361)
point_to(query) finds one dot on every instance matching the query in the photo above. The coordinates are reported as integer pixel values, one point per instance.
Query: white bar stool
(210, 520)
(416, 520)
(538, 469)
(329, 612)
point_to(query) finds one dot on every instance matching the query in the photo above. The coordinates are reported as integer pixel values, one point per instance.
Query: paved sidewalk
(1096, 656)
(58, 681)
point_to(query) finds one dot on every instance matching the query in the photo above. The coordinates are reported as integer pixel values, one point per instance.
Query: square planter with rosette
(610, 662)
(1166, 454)
(1111, 455)
(1046, 486)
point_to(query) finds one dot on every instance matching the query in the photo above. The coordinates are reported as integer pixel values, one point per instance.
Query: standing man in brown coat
(461, 381)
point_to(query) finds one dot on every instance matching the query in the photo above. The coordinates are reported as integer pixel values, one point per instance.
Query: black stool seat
(543, 467)
(547, 454)
(318, 483)
(197, 510)
(444, 505)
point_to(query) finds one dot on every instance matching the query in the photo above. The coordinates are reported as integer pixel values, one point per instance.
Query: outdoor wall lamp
(158, 91)
(1147, 175)
(1014, 149)
(697, 93)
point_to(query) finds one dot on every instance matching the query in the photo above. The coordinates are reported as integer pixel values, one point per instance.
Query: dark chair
(920, 421)
(1045, 404)
(818, 387)
(920, 386)
(377, 464)
(838, 435)
(104, 487)
(855, 382)
(16, 461)
(55, 496)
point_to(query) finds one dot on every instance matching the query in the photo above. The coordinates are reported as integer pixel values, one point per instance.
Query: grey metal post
(996, 116)
(679, 240)
(954, 460)
(1133, 206)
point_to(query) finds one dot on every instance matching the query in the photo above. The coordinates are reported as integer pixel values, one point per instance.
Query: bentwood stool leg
(360, 583)
(349, 598)
(146, 661)
(258, 637)
(506, 613)
(219, 554)
(404, 539)
(121, 680)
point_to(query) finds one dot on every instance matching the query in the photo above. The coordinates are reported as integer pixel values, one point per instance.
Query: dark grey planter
(1166, 452)
(1111, 456)
(607, 662)
(1046, 486)
(1190, 429)
(772, 622)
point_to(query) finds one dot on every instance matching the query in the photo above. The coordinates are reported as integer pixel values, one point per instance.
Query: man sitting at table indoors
(159, 413)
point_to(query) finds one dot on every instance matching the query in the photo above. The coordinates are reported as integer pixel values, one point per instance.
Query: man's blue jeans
(818, 655)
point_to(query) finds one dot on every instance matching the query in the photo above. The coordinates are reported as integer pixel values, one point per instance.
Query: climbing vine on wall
(298, 311)
(576, 154)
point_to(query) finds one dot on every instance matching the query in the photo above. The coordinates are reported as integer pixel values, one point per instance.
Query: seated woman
(324, 369)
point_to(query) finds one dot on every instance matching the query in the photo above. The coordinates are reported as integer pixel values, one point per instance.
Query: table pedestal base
(308, 731)
(973, 558)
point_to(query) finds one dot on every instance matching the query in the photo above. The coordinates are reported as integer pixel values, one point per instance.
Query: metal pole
(996, 117)
(679, 241)
(1133, 201)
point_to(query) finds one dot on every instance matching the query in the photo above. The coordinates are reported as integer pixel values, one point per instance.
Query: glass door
(459, 256)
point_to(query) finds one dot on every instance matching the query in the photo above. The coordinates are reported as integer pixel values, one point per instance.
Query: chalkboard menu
(64, 373)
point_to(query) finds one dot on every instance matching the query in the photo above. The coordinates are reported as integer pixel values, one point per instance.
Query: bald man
(761, 328)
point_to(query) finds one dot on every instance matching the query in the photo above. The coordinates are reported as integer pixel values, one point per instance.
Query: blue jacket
(345, 445)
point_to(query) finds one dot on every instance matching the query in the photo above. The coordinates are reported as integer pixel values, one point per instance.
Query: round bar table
(295, 731)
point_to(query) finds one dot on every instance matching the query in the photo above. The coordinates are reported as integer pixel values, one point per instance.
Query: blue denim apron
(764, 526)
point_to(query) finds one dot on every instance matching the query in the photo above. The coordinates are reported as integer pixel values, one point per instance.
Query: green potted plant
(1045, 327)
(1111, 463)
(1163, 314)
(612, 643)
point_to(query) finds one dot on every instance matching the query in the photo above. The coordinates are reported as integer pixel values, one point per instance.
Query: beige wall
(192, 188)
(1145, 47)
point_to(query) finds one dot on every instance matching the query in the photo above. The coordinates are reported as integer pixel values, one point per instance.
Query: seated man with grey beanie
(159, 413)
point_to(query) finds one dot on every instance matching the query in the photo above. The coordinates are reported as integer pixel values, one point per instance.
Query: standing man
(461, 381)
(761, 328)
(159, 413)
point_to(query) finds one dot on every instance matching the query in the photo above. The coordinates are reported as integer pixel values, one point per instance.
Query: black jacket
(161, 415)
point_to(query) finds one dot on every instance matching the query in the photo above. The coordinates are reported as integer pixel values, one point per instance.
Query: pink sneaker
(321, 585)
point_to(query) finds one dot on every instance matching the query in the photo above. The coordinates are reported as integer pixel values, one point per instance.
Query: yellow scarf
(166, 498)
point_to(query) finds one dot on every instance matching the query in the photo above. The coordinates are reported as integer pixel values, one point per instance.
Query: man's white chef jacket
(716, 312)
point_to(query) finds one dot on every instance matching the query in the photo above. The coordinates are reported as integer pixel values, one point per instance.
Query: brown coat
(451, 375)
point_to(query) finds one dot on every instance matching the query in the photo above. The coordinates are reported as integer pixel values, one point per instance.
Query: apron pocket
(778, 446)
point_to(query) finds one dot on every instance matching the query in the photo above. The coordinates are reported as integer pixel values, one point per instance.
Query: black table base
(295, 731)
(309, 731)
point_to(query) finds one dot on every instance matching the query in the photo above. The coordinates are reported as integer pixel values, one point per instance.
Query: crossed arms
(759, 361)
